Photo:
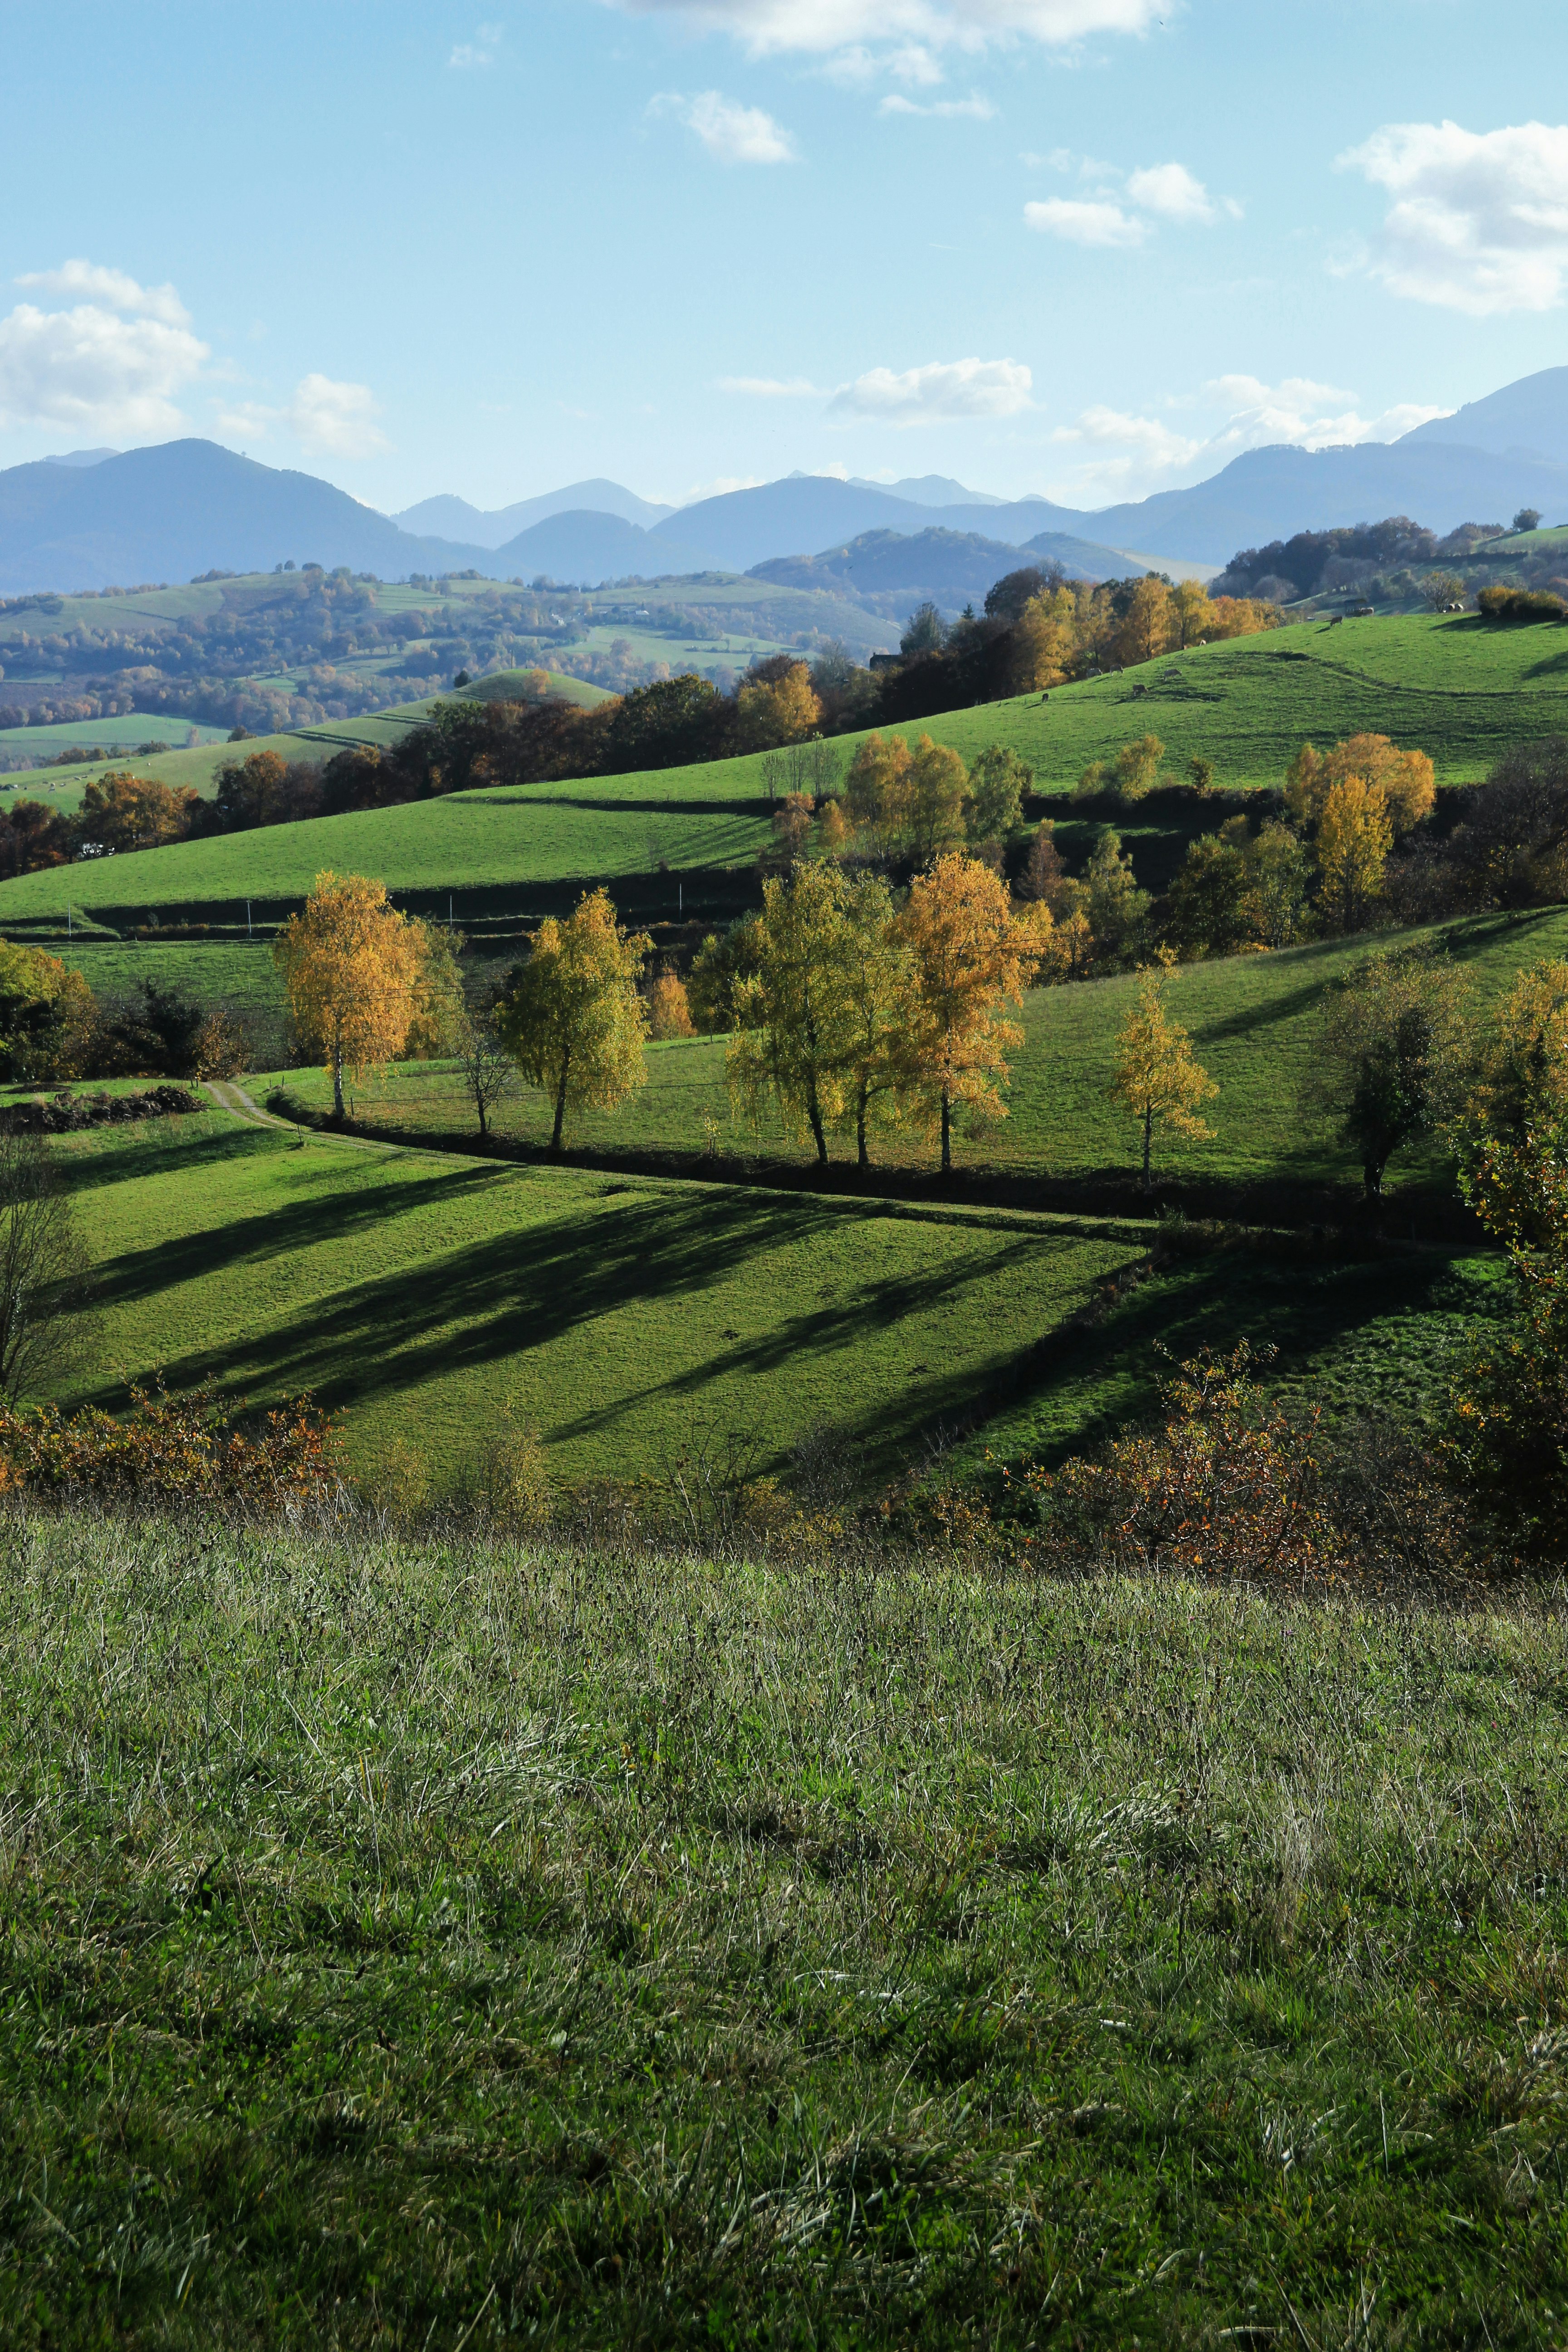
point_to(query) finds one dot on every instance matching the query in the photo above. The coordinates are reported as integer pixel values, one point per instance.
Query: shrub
(171, 1449)
(1501, 603)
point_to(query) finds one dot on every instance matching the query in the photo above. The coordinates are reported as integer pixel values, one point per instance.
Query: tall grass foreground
(463, 1941)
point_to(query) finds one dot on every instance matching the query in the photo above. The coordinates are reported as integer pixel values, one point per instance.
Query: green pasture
(440, 1301)
(1254, 1021)
(1454, 687)
(448, 1944)
(470, 840)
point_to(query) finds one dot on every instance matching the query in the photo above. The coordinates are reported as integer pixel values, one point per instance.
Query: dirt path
(231, 1096)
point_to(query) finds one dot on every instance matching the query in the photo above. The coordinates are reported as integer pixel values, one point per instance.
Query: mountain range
(98, 518)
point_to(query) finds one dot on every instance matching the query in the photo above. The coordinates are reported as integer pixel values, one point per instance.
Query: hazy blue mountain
(1267, 494)
(189, 507)
(950, 568)
(81, 458)
(585, 548)
(743, 527)
(1530, 417)
(450, 518)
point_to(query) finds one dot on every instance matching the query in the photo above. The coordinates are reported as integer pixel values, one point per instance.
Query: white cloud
(328, 418)
(732, 133)
(1079, 222)
(828, 27)
(470, 56)
(113, 289)
(1171, 190)
(1480, 221)
(336, 420)
(1125, 455)
(937, 393)
(978, 110)
(112, 364)
(768, 387)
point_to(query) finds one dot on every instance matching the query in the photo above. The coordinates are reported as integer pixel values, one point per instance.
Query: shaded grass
(435, 1946)
(442, 1301)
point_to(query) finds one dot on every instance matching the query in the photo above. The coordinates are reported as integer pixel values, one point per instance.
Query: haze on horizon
(692, 243)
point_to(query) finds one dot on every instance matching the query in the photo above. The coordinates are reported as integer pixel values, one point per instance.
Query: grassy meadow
(438, 1303)
(440, 1944)
(1451, 687)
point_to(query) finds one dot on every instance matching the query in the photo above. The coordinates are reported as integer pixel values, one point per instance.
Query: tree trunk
(863, 1157)
(946, 1132)
(814, 1114)
(480, 1105)
(560, 1100)
(1148, 1142)
(337, 1081)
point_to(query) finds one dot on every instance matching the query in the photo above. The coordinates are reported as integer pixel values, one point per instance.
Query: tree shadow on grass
(335, 1213)
(467, 1312)
(1100, 1379)
(138, 1154)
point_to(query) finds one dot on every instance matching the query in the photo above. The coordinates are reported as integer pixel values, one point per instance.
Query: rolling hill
(1454, 687)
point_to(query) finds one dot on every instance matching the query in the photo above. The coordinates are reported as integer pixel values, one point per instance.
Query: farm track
(231, 1097)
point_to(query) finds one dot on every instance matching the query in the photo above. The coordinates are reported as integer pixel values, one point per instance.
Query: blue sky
(1087, 247)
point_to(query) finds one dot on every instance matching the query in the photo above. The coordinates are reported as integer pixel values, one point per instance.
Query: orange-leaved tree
(970, 954)
(571, 1017)
(1157, 1076)
(353, 967)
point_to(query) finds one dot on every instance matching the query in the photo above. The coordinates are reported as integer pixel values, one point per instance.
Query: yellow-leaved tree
(1405, 779)
(354, 971)
(1044, 640)
(939, 782)
(877, 788)
(571, 1017)
(1157, 1075)
(783, 709)
(792, 1047)
(1355, 834)
(972, 953)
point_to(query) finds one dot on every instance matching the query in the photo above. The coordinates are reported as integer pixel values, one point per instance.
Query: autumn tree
(792, 1046)
(994, 806)
(1277, 883)
(971, 954)
(352, 968)
(938, 783)
(121, 812)
(440, 1011)
(1158, 1078)
(47, 1016)
(1136, 768)
(668, 1014)
(1355, 834)
(1393, 1053)
(1150, 624)
(1405, 779)
(874, 974)
(1194, 614)
(1042, 642)
(1209, 911)
(572, 1017)
(877, 786)
(724, 961)
(778, 709)
(1116, 908)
